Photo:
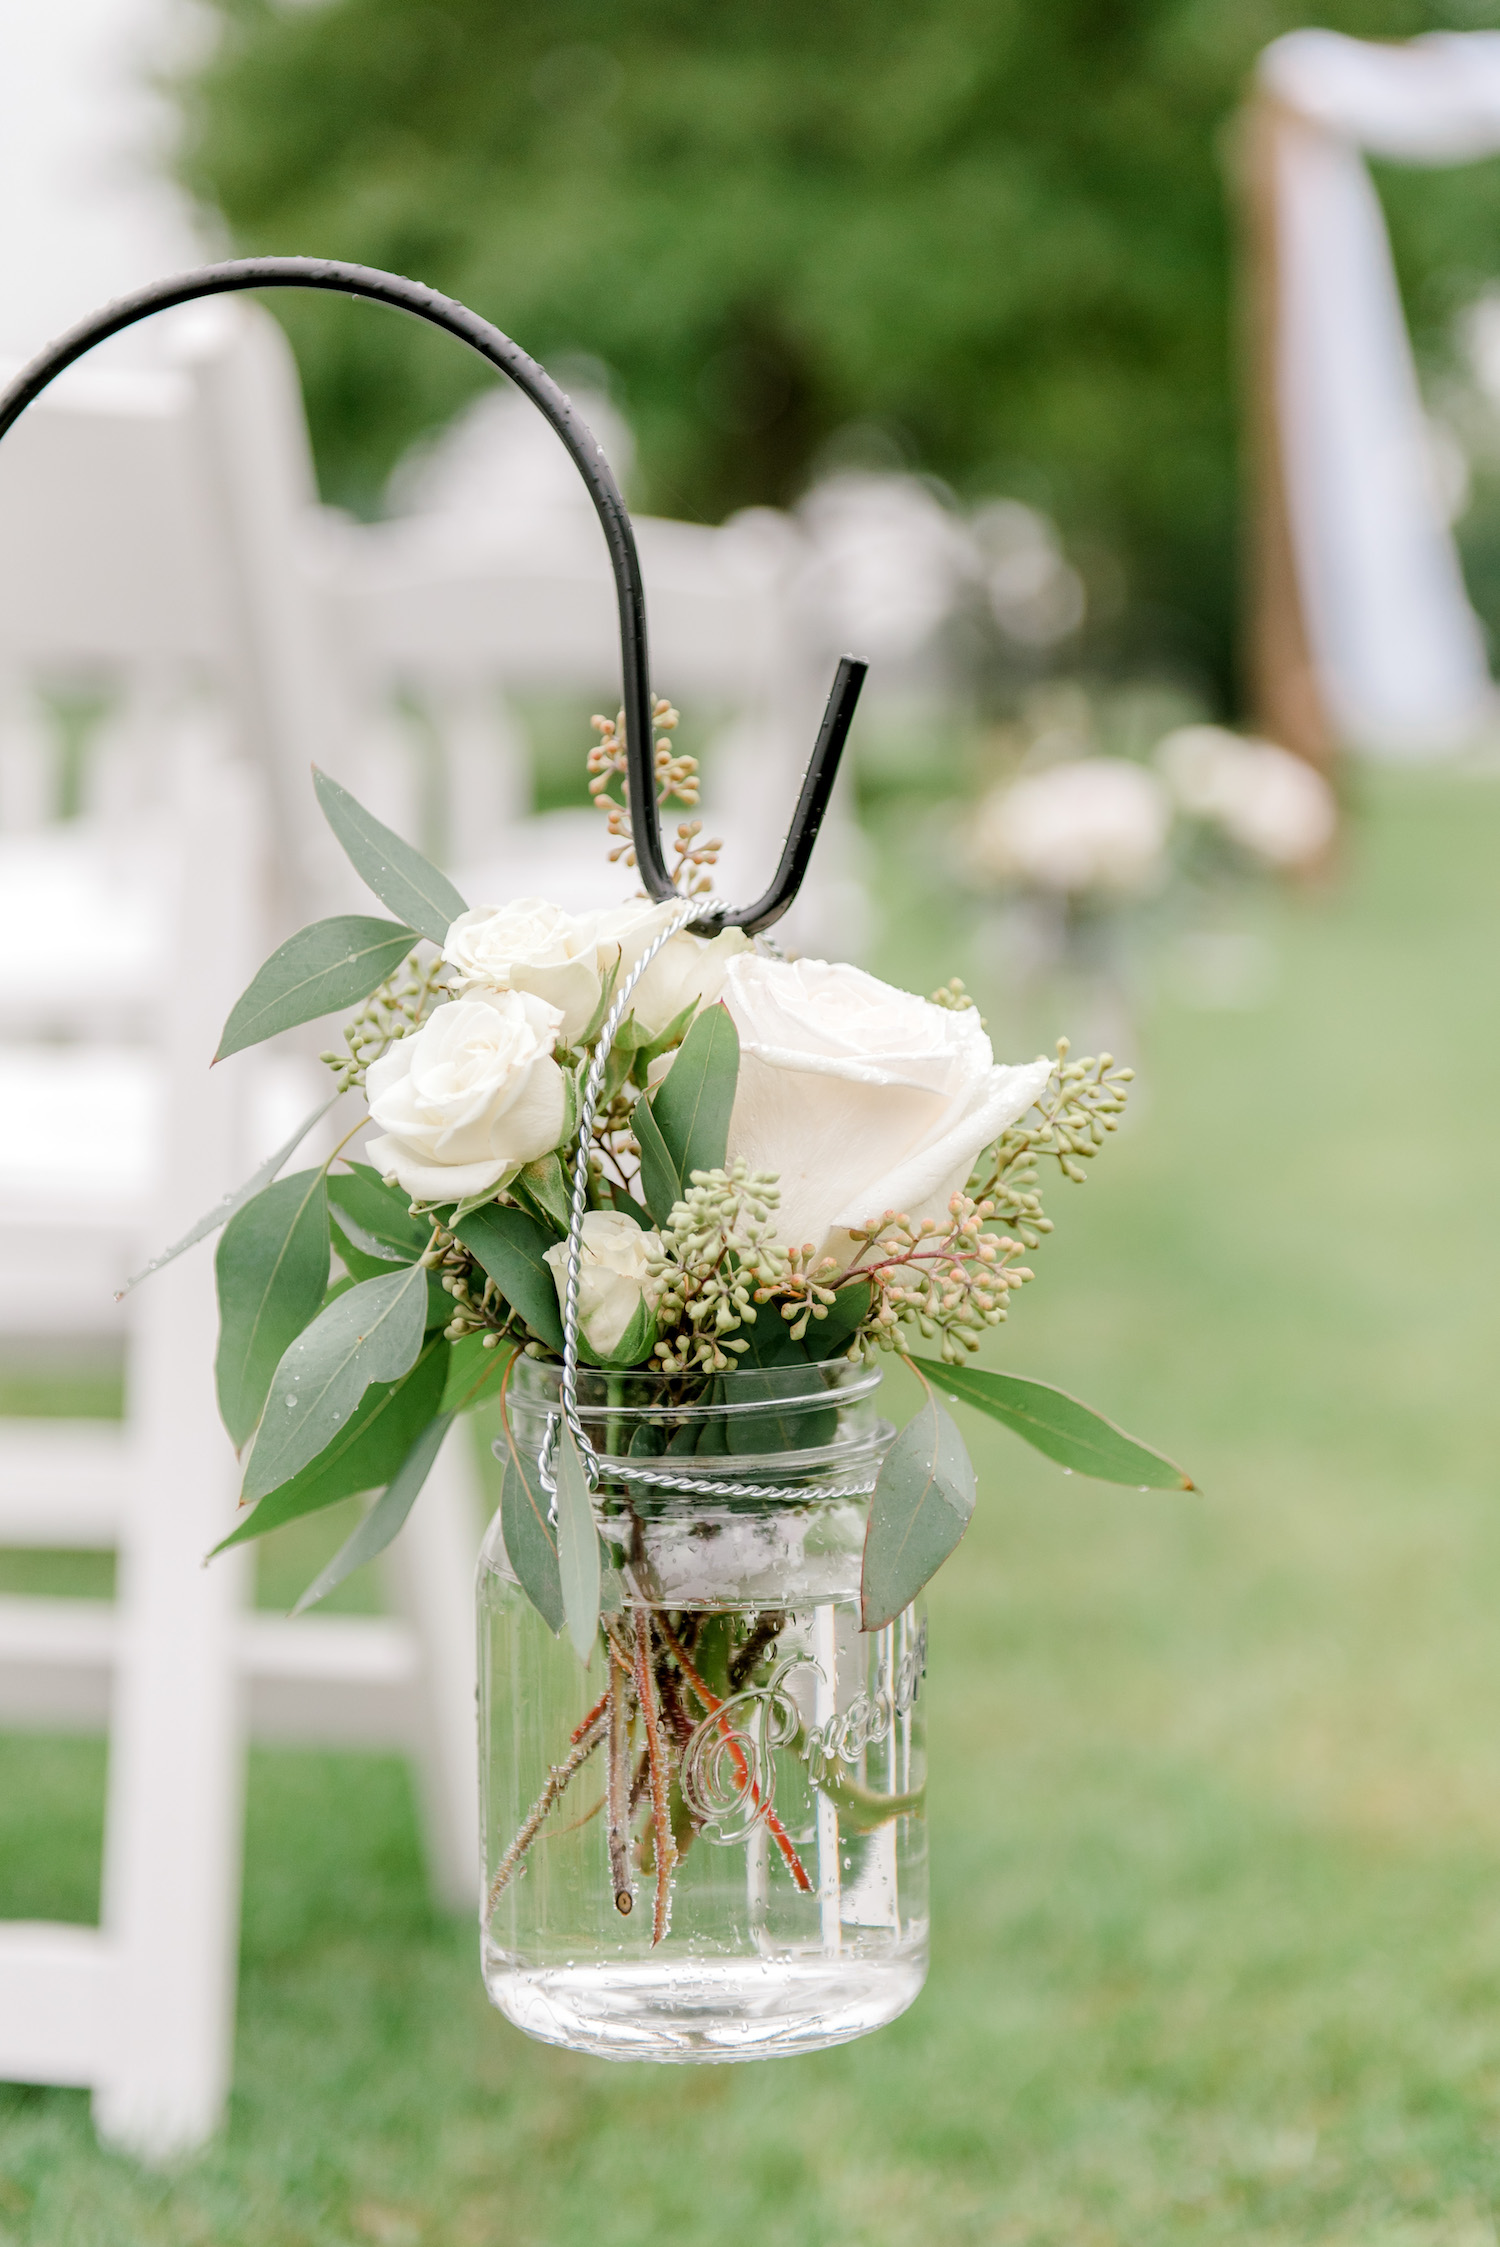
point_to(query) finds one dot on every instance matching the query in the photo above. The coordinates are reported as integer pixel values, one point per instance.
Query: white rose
(533, 946)
(469, 1097)
(687, 970)
(612, 1276)
(861, 1097)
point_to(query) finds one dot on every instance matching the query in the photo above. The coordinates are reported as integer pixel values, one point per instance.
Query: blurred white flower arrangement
(1095, 826)
(1109, 828)
(1087, 849)
(1272, 805)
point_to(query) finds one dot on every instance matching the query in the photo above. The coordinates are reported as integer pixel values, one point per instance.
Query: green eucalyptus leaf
(661, 1182)
(512, 1248)
(530, 1538)
(1067, 1431)
(222, 1211)
(401, 877)
(332, 964)
(272, 1271)
(374, 1260)
(577, 1545)
(787, 1428)
(691, 1105)
(377, 1253)
(830, 1337)
(617, 1198)
(364, 1454)
(385, 1518)
(713, 1439)
(475, 1374)
(546, 1190)
(374, 1333)
(768, 1340)
(364, 1200)
(449, 1216)
(648, 1051)
(923, 1502)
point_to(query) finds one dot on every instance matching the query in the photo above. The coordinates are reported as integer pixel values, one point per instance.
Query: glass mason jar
(711, 1845)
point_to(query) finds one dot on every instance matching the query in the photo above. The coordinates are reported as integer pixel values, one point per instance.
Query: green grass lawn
(1216, 1789)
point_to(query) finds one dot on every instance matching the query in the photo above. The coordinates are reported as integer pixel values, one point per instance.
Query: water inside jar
(796, 1908)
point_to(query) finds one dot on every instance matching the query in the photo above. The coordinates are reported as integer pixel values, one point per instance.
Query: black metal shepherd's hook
(588, 459)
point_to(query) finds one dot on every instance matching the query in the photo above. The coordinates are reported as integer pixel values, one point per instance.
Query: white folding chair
(460, 611)
(148, 527)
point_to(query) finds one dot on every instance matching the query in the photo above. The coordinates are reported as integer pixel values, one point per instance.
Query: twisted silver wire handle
(618, 1470)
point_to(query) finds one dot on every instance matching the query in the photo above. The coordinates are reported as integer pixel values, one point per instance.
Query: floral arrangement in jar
(673, 1198)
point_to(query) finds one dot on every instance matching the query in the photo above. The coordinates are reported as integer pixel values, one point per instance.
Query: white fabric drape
(1399, 654)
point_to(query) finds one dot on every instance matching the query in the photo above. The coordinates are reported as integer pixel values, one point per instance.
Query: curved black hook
(584, 452)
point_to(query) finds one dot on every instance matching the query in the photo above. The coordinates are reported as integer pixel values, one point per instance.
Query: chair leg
(431, 1577)
(175, 1811)
(176, 1773)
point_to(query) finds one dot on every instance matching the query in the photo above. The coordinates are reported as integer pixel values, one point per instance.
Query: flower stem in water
(663, 1846)
(618, 1788)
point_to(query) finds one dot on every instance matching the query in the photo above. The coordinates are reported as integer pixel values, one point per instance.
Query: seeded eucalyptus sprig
(400, 1005)
(717, 1251)
(950, 1282)
(676, 777)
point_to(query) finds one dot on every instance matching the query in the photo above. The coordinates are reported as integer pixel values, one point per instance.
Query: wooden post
(1285, 697)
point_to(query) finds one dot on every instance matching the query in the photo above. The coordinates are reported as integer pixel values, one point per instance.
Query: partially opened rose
(687, 969)
(862, 1098)
(613, 1277)
(469, 1097)
(530, 945)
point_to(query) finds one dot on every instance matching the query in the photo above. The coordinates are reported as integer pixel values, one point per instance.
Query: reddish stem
(592, 1718)
(714, 1706)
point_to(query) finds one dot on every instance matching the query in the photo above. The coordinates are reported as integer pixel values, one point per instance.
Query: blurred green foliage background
(982, 237)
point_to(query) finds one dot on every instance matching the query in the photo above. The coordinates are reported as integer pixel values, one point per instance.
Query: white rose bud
(470, 1097)
(530, 946)
(688, 970)
(861, 1097)
(612, 1276)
